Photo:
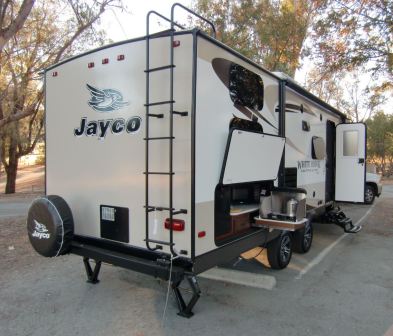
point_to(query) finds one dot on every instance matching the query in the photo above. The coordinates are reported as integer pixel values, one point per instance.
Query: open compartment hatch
(251, 157)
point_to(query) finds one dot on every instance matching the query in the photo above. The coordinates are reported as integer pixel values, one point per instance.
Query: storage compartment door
(251, 157)
(350, 162)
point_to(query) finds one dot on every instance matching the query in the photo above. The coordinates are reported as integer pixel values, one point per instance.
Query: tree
(327, 88)
(380, 141)
(354, 33)
(348, 92)
(10, 24)
(269, 32)
(46, 38)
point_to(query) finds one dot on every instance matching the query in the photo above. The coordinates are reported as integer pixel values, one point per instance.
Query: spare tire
(50, 226)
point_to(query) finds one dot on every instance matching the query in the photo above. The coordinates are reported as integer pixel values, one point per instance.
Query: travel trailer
(172, 153)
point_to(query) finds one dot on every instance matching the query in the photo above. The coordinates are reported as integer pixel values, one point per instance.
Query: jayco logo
(106, 100)
(40, 231)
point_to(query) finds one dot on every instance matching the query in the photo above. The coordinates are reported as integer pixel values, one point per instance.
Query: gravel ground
(348, 292)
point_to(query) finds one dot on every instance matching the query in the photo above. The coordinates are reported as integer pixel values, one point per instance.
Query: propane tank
(265, 204)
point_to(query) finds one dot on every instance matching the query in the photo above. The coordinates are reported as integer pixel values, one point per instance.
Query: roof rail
(172, 19)
(176, 4)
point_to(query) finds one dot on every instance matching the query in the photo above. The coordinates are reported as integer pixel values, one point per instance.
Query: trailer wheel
(279, 251)
(302, 239)
(369, 194)
(50, 226)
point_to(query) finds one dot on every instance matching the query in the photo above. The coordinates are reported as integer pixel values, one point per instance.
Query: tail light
(177, 224)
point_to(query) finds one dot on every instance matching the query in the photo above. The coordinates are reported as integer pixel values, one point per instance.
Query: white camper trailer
(172, 153)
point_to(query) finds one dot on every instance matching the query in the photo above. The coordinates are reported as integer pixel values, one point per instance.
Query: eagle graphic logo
(105, 100)
(40, 227)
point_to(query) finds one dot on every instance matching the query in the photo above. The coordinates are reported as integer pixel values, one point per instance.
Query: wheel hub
(307, 235)
(368, 195)
(285, 250)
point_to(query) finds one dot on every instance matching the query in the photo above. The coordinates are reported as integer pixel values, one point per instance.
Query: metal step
(153, 115)
(183, 114)
(151, 208)
(159, 138)
(160, 68)
(159, 242)
(160, 103)
(158, 173)
(178, 212)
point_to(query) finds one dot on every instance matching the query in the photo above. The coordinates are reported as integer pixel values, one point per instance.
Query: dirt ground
(30, 179)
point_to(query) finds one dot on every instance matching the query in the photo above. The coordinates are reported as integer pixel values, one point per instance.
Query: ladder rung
(160, 103)
(156, 115)
(183, 114)
(160, 68)
(181, 211)
(158, 173)
(159, 138)
(151, 208)
(159, 242)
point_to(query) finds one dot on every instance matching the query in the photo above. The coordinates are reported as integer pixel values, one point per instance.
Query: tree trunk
(12, 167)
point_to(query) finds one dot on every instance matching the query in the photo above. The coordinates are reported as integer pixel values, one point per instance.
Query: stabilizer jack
(185, 310)
(92, 275)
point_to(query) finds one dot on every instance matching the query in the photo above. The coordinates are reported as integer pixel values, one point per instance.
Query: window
(245, 87)
(350, 143)
(318, 149)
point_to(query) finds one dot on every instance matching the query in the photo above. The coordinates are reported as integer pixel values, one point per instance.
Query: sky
(122, 26)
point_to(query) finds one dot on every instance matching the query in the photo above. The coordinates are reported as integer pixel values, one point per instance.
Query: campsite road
(348, 291)
(14, 208)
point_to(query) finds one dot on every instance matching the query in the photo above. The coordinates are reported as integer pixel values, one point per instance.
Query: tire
(279, 251)
(302, 239)
(50, 226)
(369, 194)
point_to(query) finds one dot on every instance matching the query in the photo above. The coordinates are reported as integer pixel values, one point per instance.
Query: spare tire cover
(50, 226)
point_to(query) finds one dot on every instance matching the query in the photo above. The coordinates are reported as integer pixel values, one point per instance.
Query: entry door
(350, 162)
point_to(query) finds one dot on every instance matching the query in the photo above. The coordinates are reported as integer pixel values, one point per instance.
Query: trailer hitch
(338, 217)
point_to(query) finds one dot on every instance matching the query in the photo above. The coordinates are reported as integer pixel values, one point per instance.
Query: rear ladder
(170, 173)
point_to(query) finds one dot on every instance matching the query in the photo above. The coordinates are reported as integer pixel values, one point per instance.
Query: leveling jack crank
(337, 216)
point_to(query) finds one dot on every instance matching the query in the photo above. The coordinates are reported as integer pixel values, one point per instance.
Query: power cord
(168, 288)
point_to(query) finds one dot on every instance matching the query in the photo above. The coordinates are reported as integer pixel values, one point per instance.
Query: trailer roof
(282, 77)
(289, 82)
(137, 39)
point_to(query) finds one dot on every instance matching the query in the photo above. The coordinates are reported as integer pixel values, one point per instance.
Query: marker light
(177, 224)
(201, 234)
(90, 65)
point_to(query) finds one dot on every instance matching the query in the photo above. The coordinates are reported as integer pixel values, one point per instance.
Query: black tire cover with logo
(50, 226)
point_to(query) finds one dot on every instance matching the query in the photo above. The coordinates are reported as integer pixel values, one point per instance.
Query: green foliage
(380, 141)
